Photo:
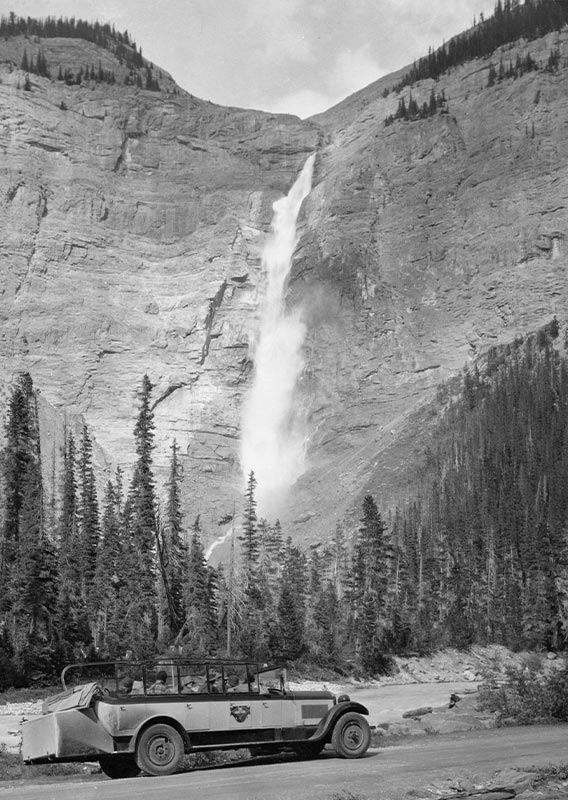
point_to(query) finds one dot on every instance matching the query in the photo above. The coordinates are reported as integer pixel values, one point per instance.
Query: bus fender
(327, 724)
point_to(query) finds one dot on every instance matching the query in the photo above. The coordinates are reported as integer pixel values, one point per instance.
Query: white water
(219, 541)
(273, 434)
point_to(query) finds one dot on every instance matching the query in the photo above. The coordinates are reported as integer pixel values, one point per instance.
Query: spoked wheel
(159, 750)
(119, 766)
(351, 736)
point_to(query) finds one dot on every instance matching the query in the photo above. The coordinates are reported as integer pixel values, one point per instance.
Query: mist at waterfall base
(273, 434)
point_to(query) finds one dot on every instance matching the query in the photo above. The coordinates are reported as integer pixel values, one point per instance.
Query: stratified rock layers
(430, 241)
(131, 228)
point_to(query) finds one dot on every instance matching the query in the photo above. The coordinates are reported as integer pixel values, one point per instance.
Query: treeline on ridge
(510, 21)
(139, 72)
(104, 35)
(412, 110)
(479, 555)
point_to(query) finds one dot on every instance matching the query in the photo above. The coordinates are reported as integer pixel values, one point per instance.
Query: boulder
(454, 723)
(406, 728)
(417, 712)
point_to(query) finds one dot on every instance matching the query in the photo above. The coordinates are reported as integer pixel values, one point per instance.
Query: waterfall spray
(273, 437)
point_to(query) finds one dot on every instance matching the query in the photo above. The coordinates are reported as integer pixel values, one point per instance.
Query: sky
(286, 56)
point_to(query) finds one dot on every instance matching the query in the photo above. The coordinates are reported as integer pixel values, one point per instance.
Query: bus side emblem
(240, 713)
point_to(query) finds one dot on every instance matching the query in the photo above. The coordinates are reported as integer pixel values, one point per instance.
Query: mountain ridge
(414, 254)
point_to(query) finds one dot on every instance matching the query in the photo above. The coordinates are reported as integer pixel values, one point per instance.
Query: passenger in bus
(232, 684)
(126, 686)
(211, 684)
(159, 685)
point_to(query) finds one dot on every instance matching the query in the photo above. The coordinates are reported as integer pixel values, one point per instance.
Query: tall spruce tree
(141, 616)
(20, 451)
(28, 557)
(172, 555)
(109, 574)
(89, 524)
(72, 618)
(199, 630)
(249, 538)
(292, 603)
(33, 586)
(370, 586)
(253, 634)
(325, 639)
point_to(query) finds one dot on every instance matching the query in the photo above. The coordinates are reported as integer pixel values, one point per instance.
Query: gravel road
(425, 767)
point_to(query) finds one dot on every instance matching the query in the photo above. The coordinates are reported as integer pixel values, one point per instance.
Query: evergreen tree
(432, 103)
(42, 67)
(325, 642)
(33, 586)
(289, 639)
(72, 618)
(88, 523)
(249, 537)
(110, 574)
(290, 624)
(324, 617)
(253, 635)
(339, 561)
(28, 569)
(172, 555)
(140, 511)
(370, 574)
(20, 451)
(199, 630)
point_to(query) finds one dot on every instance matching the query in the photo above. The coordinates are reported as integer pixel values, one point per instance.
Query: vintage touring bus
(144, 716)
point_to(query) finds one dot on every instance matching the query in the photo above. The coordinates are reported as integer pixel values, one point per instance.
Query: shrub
(199, 760)
(7, 671)
(530, 696)
(550, 772)
(347, 796)
(10, 764)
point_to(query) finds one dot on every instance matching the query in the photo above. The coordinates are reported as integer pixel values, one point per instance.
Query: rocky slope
(433, 240)
(131, 228)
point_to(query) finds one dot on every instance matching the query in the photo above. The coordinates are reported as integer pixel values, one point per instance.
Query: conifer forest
(93, 566)
(478, 554)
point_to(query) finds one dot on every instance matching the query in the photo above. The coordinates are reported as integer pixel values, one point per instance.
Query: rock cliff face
(132, 224)
(434, 239)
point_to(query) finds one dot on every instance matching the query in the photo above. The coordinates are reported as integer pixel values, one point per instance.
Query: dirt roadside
(436, 695)
(416, 682)
(387, 705)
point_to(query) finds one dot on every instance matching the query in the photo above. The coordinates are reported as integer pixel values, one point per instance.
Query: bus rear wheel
(159, 750)
(119, 766)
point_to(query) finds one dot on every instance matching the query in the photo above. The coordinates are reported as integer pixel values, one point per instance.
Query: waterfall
(273, 436)
(219, 541)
